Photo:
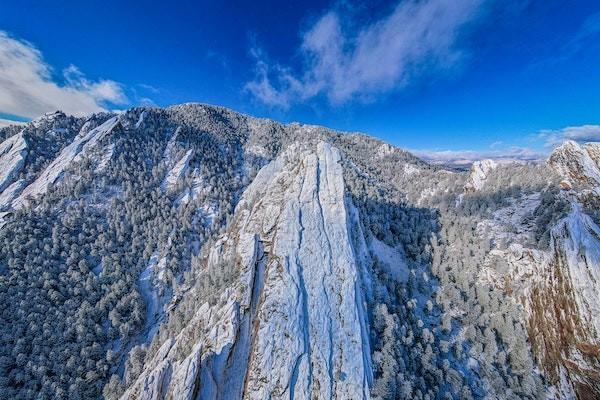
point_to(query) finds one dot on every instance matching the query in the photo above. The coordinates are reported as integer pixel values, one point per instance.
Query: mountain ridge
(181, 227)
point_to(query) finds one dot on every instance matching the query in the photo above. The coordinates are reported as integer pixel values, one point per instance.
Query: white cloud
(546, 140)
(29, 90)
(581, 134)
(8, 122)
(468, 156)
(416, 37)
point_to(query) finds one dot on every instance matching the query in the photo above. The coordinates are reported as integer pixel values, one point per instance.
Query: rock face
(567, 305)
(294, 327)
(558, 287)
(578, 164)
(478, 174)
(12, 158)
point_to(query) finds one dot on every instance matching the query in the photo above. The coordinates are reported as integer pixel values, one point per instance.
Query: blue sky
(493, 77)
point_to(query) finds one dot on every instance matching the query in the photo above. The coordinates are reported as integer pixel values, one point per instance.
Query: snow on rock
(478, 174)
(10, 193)
(105, 157)
(149, 281)
(513, 223)
(197, 186)
(563, 307)
(410, 169)
(140, 120)
(293, 325)
(210, 332)
(84, 142)
(167, 155)
(578, 164)
(49, 116)
(309, 319)
(559, 288)
(385, 150)
(12, 158)
(593, 150)
(581, 247)
(178, 171)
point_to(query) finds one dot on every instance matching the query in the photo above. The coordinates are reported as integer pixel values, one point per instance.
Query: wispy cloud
(344, 64)
(584, 37)
(581, 134)
(588, 31)
(542, 144)
(149, 88)
(468, 156)
(8, 122)
(28, 88)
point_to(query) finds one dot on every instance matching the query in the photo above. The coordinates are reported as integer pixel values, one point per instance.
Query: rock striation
(294, 325)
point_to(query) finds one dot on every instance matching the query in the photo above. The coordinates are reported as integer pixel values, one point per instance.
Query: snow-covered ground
(393, 260)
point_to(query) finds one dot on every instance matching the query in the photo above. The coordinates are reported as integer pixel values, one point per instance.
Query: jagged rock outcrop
(294, 326)
(565, 308)
(558, 287)
(578, 164)
(478, 174)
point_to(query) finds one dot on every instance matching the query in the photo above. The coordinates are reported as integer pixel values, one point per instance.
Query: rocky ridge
(321, 243)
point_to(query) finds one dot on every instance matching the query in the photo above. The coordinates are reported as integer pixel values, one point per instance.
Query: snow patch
(393, 259)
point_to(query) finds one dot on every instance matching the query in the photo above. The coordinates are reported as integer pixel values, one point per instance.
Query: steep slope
(293, 326)
(566, 307)
(82, 144)
(12, 157)
(557, 283)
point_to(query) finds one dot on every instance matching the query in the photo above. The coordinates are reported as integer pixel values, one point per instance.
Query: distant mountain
(194, 252)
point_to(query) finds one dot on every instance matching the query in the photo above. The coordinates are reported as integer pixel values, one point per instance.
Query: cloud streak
(468, 156)
(29, 90)
(581, 134)
(8, 122)
(546, 140)
(341, 64)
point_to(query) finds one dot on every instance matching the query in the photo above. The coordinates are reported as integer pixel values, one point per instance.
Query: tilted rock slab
(293, 327)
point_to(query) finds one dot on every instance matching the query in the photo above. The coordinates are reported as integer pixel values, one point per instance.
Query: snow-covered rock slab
(292, 327)
(308, 341)
(178, 171)
(480, 170)
(578, 164)
(10, 193)
(12, 158)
